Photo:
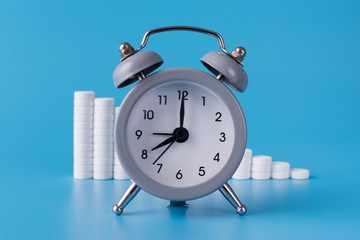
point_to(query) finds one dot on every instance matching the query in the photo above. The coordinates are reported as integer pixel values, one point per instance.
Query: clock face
(180, 134)
(205, 143)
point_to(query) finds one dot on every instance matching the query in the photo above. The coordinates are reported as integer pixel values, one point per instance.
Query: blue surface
(302, 106)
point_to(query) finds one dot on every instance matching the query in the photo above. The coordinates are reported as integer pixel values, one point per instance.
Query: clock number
(183, 93)
(144, 154)
(160, 166)
(179, 175)
(138, 133)
(201, 171)
(203, 100)
(148, 114)
(223, 138)
(217, 157)
(161, 101)
(219, 115)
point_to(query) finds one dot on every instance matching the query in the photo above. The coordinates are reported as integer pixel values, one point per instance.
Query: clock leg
(177, 203)
(126, 198)
(230, 195)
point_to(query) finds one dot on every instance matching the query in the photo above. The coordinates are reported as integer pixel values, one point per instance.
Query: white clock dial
(207, 120)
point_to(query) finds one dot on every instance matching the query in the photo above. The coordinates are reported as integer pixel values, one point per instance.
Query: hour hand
(167, 141)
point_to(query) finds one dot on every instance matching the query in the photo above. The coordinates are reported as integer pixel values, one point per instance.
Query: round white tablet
(103, 124)
(299, 173)
(83, 102)
(261, 168)
(104, 132)
(82, 154)
(104, 139)
(120, 176)
(103, 161)
(104, 117)
(103, 147)
(84, 94)
(260, 176)
(83, 168)
(104, 101)
(83, 110)
(83, 132)
(83, 161)
(83, 175)
(261, 160)
(83, 147)
(103, 110)
(103, 154)
(241, 175)
(83, 118)
(83, 125)
(280, 166)
(103, 175)
(280, 175)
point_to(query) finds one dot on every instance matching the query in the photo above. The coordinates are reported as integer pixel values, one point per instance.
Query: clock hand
(167, 141)
(182, 111)
(164, 151)
(169, 134)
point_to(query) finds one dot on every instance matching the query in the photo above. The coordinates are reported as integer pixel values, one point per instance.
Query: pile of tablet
(119, 172)
(261, 167)
(94, 138)
(83, 134)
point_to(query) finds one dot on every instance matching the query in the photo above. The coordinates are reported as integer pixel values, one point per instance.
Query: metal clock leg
(126, 198)
(230, 195)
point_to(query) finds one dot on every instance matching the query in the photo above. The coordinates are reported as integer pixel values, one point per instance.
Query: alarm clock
(180, 133)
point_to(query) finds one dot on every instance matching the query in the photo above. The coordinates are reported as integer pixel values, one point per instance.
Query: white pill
(120, 176)
(83, 146)
(241, 175)
(117, 109)
(261, 168)
(119, 169)
(280, 175)
(103, 132)
(103, 168)
(103, 124)
(117, 162)
(104, 101)
(83, 175)
(83, 139)
(248, 153)
(104, 117)
(83, 110)
(103, 110)
(103, 161)
(79, 102)
(299, 173)
(83, 118)
(84, 94)
(83, 161)
(103, 154)
(83, 132)
(83, 168)
(82, 154)
(280, 166)
(83, 125)
(104, 139)
(103, 147)
(260, 176)
(261, 160)
(103, 175)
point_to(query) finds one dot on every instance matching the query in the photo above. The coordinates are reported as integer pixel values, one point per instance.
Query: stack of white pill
(83, 134)
(119, 172)
(103, 138)
(280, 170)
(244, 169)
(261, 167)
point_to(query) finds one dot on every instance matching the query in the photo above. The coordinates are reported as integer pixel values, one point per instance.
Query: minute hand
(167, 141)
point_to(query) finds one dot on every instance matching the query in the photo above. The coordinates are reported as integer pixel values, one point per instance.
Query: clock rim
(180, 193)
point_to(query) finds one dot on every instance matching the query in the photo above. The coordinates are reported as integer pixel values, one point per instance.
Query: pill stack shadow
(261, 167)
(83, 134)
(119, 172)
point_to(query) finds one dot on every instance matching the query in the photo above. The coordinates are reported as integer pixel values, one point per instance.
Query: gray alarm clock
(180, 133)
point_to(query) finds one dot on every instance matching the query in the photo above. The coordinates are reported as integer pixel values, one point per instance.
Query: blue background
(302, 106)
